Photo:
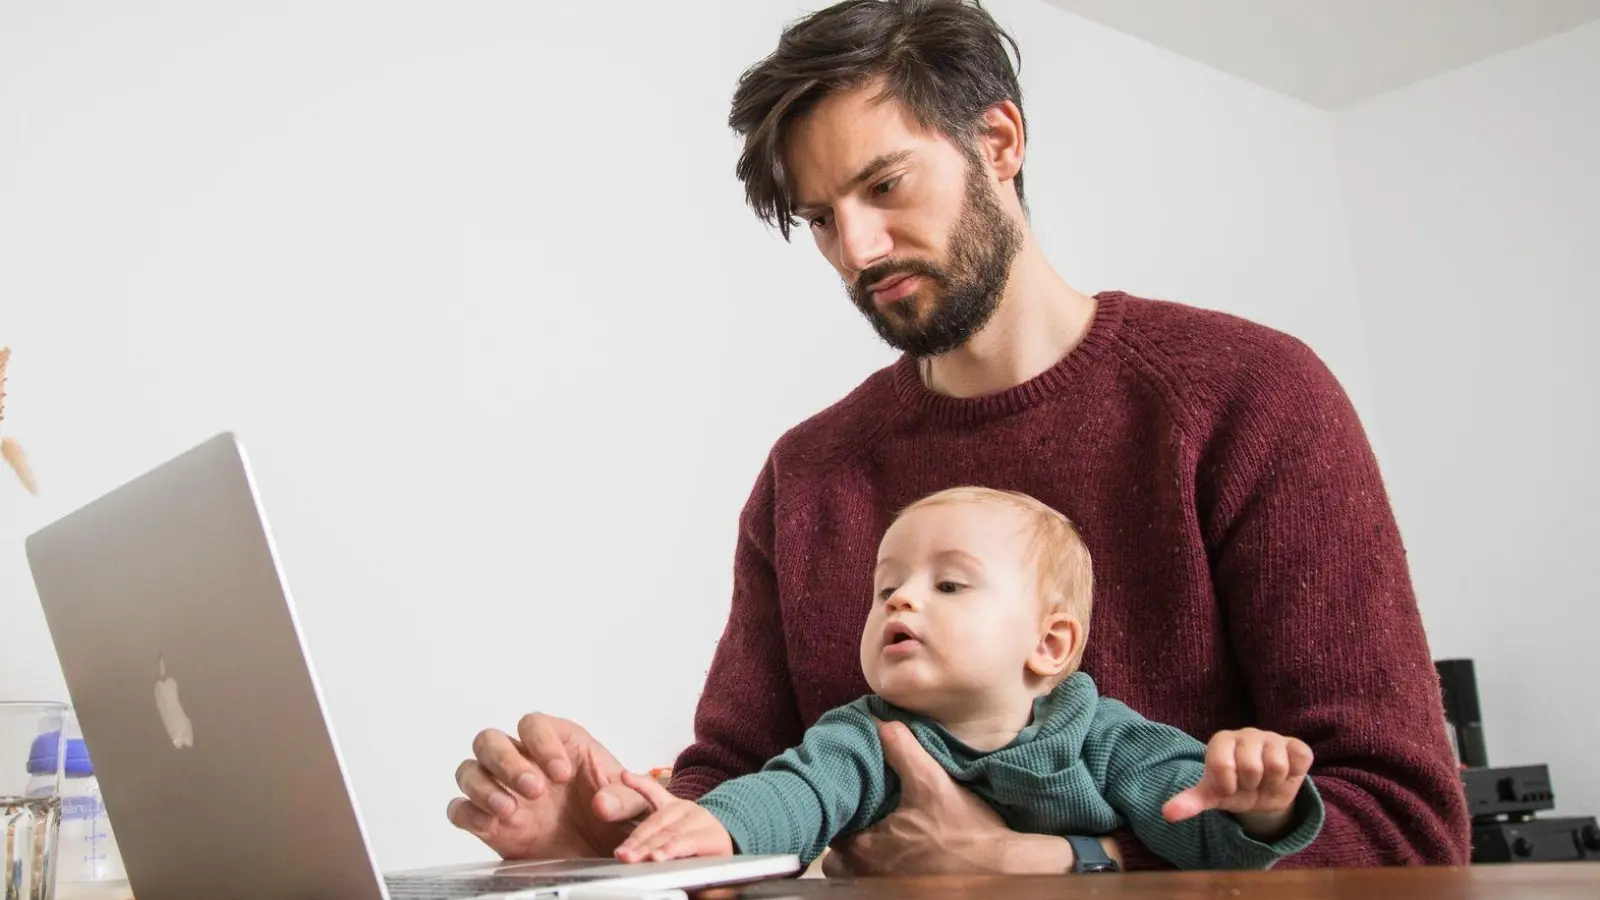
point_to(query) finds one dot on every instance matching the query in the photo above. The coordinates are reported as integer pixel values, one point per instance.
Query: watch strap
(1088, 856)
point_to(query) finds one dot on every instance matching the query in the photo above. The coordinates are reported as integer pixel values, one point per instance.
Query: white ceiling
(1332, 53)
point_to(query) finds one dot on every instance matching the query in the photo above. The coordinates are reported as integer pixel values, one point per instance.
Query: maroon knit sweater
(1248, 570)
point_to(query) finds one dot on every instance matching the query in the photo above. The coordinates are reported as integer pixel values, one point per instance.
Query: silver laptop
(184, 660)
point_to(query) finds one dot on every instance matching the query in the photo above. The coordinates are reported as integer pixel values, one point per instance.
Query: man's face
(911, 223)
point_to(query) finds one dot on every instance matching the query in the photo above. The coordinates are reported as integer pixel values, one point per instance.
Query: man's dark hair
(945, 60)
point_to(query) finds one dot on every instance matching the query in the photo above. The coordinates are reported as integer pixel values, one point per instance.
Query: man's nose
(863, 239)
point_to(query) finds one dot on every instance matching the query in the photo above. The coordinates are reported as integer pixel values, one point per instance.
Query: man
(1248, 566)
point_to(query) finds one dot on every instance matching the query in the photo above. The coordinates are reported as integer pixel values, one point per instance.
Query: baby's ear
(1060, 636)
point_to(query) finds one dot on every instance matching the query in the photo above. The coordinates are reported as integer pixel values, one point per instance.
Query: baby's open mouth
(898, 633)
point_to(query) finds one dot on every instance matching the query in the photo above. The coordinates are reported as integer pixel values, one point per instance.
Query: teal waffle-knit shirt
(1084, 765)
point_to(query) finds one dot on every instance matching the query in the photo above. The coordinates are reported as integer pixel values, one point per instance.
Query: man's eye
(884, 187)
(819, 222)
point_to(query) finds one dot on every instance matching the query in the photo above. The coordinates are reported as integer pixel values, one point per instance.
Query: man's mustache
(879, 272)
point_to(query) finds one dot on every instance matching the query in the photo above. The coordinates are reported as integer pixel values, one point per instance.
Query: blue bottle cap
(42, 759)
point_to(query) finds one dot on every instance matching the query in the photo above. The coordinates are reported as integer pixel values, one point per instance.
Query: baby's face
(956, 610)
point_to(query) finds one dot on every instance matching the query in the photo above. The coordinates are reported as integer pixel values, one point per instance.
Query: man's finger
(836, 864)
(920, 775)
(464, 815)
(597, 775)
(502, 759)
(483, 791)
(847, 857)
(544, 740)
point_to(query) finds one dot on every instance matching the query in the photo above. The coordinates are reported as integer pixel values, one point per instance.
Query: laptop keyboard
(462, 887)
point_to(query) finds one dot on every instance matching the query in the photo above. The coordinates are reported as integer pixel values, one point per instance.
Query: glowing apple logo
(179, 728)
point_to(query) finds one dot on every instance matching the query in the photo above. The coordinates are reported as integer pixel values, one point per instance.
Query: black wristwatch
(1089, 857)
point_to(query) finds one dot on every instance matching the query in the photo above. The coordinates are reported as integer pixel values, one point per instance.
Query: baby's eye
(886, 593)
(951, 587)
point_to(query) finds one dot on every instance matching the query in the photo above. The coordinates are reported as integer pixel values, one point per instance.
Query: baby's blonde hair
(1065, 569)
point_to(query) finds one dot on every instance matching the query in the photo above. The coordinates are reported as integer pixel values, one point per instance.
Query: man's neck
(1039, 321)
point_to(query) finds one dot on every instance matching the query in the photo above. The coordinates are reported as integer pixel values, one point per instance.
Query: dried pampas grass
(10, 450)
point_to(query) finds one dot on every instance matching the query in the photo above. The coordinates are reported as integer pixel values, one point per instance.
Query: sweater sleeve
(834, 783)
(1139, 765)
(747, 712)
(1311, 575)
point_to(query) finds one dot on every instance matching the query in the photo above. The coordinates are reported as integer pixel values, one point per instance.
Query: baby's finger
(674, 821)
(1247, 761)
(1222, 775)
(700, 835)
(1300, 757)
(1275, 763)
(1187, 804)
(643, 837)
(652, 791)
(676, 847)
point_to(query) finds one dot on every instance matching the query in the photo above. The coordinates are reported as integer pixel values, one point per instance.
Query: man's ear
(1060, 637)
(1002, 141)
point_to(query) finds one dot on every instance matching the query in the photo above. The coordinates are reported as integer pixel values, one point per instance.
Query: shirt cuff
(1309, 815)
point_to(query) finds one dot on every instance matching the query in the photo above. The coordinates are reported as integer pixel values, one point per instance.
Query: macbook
(222, 777)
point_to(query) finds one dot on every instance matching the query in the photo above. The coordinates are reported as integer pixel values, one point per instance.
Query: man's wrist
(1035, 854)
(1044, 854)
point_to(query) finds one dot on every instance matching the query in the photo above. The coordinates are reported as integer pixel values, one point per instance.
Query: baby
(979, 616)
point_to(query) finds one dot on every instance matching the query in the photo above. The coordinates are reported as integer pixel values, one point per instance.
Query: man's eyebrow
(868, 172)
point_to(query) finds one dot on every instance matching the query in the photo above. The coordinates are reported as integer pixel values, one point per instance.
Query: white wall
(1474, 205)
(476, 285)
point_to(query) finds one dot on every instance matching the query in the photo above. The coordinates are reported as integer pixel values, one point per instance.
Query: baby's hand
(678, 828)
(1251, 773)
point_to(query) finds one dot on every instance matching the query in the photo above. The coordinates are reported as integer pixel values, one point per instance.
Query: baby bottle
(86, 850)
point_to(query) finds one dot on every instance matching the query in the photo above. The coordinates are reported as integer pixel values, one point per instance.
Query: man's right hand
(552, 792)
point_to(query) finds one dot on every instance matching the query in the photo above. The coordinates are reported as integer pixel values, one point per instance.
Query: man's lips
(895, 287)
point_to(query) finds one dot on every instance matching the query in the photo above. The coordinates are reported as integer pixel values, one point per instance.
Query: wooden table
(1556, 881)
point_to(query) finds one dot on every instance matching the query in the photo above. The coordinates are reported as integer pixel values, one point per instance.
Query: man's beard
(962, 295)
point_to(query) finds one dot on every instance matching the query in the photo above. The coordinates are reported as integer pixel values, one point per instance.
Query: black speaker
(1459, 683)
(1504, 801)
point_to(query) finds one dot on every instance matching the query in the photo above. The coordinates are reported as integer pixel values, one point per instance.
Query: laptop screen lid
(187, 668)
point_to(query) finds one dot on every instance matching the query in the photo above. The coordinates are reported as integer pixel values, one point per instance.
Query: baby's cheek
(988, 659)
(868, 660)
(870, 672)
